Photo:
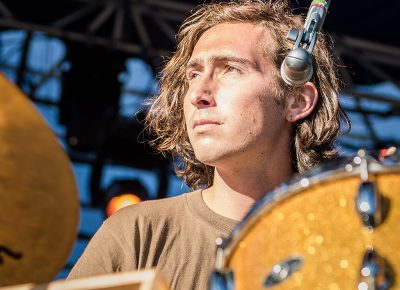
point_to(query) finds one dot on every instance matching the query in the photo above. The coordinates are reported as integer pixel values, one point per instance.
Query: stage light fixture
(122, 193)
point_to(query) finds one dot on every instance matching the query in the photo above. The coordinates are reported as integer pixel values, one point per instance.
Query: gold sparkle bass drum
(336, 227)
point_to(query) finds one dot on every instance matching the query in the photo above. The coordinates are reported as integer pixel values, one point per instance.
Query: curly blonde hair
(313, 137)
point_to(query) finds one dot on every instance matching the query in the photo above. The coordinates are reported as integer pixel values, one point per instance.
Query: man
(237, 132)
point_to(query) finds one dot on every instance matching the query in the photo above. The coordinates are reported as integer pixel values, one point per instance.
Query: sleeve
(103, 255)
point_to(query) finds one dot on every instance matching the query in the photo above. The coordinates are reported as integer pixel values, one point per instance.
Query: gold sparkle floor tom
(336, 227)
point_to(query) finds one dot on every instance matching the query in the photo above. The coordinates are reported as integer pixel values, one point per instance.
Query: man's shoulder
(152, 206)
(151, 211)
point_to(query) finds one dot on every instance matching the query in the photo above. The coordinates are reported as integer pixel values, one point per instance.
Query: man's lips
(204, 122)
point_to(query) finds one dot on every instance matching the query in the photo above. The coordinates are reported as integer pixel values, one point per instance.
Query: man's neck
(234, 192)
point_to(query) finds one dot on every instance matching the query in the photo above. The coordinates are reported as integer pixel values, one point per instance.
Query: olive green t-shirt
(176, 235)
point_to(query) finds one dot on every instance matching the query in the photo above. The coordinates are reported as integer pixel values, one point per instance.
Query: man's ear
(301, 104)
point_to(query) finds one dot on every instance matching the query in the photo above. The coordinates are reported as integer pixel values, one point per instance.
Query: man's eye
(192, 75)
(229, 68)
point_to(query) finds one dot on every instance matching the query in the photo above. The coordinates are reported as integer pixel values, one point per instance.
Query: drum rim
(293, 186)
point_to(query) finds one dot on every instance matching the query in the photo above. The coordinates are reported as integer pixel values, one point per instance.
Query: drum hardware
(389, 156)
(368, 200)
(222, 280)
(369, 205)
(281, 271)
(221, 243)
(373, 275)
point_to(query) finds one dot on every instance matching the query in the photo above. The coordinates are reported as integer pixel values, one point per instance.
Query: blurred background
(89, 65)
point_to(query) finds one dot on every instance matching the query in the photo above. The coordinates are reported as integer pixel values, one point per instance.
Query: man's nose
(203, 92)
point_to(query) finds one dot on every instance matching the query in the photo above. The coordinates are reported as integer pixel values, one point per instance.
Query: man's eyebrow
(198, 61)
(193, 63)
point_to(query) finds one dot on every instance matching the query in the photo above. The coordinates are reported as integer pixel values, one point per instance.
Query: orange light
(120, 201)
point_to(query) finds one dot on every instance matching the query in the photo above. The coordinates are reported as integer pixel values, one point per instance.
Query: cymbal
(38, 196)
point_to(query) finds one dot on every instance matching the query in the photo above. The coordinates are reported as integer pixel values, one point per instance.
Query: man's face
(231, 116)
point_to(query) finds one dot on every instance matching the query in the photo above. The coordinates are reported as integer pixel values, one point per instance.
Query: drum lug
(221, 280)
(220, 257)
(373, 272)
(282, 270)
(368, 200)
(369, 204)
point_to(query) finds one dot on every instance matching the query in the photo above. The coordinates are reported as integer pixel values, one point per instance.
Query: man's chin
(212, 159)
(207, 159)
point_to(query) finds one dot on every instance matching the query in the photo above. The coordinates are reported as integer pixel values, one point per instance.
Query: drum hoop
(294, 186)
